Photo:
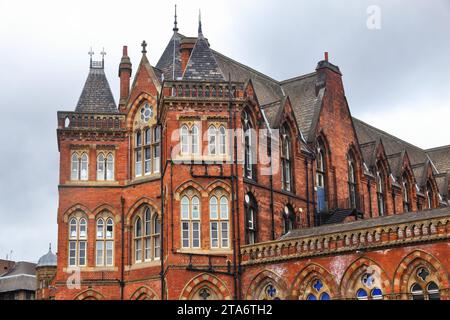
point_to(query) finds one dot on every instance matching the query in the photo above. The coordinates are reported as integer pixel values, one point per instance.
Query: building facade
(210, 180)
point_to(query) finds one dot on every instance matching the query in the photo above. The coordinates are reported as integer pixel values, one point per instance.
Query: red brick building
(210, 180)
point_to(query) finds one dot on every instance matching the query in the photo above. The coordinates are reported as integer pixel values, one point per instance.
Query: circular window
(146, 112)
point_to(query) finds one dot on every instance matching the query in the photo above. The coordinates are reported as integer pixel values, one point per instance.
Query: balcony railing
(207, 90)
(75, 120)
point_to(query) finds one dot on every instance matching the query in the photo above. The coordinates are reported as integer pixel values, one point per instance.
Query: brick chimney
(186, 46)
(124, 75)
(328, 74)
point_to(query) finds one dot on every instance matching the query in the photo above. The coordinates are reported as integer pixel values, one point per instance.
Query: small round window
(146, 112)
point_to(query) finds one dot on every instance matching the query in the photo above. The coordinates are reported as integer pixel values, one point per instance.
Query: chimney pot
(125, 50)
(326, 56)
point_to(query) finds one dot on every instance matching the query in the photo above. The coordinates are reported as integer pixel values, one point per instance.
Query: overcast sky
(396, 78)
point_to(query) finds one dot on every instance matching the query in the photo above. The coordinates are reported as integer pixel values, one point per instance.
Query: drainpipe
(269, 150)
(122, 263)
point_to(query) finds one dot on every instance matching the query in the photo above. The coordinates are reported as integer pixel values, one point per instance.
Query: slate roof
(47, 260)
(441, 158)
(170, 55)
(202, 64)
(368, 223)
(21, 277)
(96, 96)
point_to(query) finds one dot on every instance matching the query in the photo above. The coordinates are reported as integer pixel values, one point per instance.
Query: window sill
(206, 252)
(152, 177)
(71, 270)
(91, 183)
(143, 265)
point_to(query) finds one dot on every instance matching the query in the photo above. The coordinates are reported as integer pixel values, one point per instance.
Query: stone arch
(308, 274)
(89, 294)
(261, 280)
(136, 104)
(218, 184)
(186, 185)
(75, 208)
(138, 204)
(214, 284)
(354, 273)
(411, 262)
(144, 293)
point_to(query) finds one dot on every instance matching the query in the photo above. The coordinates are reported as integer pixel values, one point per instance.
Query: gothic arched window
(104, 247)
(424, 285)
(77, 241)
(147, 151)
(366, 289)
(406, 193)
(79, 166)
(288, 219)
(190, 222)
(352, 181)
(105, 167)
(250, 219)
(147, 240)
(318, 291)
(286, 159)
(381, 200)
(429, 195)
(218, 214)
(321, 178)
(249, 171)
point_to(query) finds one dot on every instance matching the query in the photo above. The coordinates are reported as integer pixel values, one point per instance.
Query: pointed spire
(200, 32)
(144, 47)
(50, 247)
(90, 53)
(175, 24)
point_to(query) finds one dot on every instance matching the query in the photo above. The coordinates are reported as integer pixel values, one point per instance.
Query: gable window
(190, 222)
(288, 219)
(406, 193)
(105, 242)
(286, 160)
(380, 194)
(250, 219)
(77, 242)
(147, 151)
(219, 226)
(321, 178)
(352, 181)
(105, 167)
(147, 236)
(249, 171)
(79, 166)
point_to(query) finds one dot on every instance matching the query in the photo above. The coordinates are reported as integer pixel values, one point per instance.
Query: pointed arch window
(366, 288)
(105, 242)
(79, 166)
(352, 181)
(105, 167)
(321, 178)
(219, 226)
(184, 136)
(251, 235)
(429, 195)
(190, 140)
(147, 238)
(195, 139)
(77, 241)
(249, 170)
(406, 189)
(216, 140)
(147, 151)
(318, 291)
(190, 222)
(286, 159)
(288, 219)
(212, 140)
(381, 200)
(424, 285)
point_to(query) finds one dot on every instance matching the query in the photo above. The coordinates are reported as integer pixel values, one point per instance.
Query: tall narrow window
(380, 194)
(222, 140)
(77, 242)
(250, 219)
(352, 182)
(219, 226)
(429, 195)
(105, 167)
(288, 219)
(248, 145)
(105, 242)
(74, 173)
(195, 140)
(406, 193)
(320, 179)
(212, 142)
(184, 133)
(147, 151)
(147, 241)
(101, 167)
(286, 161)
(190, 222)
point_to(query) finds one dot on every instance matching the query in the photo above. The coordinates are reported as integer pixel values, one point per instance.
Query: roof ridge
(389, 135)
(246, 67)
(437, 148)
(298, 78)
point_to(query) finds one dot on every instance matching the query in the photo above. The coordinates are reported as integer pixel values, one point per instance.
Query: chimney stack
(124, 75)
(186, 47)
(326, 56)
